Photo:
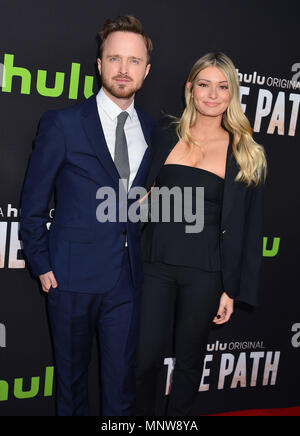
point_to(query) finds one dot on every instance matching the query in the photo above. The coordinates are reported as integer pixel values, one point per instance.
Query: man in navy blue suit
(91, 270)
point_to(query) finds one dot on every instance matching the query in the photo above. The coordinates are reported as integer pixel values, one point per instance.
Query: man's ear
(99, 64)
(147, 70)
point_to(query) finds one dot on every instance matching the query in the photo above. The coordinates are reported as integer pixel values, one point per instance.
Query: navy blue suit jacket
(71, 158)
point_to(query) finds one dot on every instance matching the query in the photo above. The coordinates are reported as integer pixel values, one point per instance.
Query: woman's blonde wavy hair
(249, 155)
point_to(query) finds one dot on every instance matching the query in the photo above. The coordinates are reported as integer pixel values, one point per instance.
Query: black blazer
(241, 232)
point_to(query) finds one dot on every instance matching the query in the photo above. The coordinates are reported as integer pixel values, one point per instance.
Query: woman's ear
(189, 87)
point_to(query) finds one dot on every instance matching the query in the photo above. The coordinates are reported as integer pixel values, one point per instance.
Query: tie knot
(122, 117)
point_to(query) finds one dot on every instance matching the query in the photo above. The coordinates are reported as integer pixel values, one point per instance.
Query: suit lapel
(143, 168)
(93, 129)
(159, 156)
(231, 188)
(145, 126)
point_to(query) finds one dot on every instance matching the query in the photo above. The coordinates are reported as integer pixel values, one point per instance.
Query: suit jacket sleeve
(252, 248)
(44, 165)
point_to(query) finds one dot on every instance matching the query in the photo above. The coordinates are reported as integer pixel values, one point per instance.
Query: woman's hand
(225, 309)
(145, 196)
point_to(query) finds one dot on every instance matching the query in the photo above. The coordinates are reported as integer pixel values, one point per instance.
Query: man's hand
(48, 280)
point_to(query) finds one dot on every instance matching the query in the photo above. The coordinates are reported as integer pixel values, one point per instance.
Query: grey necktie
(121, 158)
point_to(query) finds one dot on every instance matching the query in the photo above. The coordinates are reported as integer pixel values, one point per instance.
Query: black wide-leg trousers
(182, 301)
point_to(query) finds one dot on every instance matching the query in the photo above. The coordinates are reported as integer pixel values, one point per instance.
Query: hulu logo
(9, 71)
(273, 251)
(35, 387)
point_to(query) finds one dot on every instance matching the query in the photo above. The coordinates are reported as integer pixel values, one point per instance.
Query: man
(92, 270)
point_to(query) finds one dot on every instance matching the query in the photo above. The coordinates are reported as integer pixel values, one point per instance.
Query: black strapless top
(168, 242)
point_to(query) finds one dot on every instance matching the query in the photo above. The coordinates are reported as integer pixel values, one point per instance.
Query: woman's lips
(210, 104)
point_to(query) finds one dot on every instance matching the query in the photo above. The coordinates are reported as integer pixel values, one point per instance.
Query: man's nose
(123, 67)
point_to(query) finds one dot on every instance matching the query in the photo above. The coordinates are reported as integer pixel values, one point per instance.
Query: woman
(192, 279)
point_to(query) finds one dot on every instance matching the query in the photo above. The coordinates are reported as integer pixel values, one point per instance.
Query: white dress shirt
(137, 145)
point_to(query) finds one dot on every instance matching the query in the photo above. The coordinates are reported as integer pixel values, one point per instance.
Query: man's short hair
(124, 23)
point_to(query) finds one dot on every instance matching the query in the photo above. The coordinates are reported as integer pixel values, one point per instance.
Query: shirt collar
(111, 108)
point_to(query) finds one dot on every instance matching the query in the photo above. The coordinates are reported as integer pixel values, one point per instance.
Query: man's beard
(120, 90)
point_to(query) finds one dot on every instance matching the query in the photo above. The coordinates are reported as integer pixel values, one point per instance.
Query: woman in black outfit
(192, 279)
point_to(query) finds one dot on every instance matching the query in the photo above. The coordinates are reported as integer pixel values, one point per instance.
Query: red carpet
(290, 411)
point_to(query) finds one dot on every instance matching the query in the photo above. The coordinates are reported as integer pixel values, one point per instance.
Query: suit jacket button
(124, 232)
(223, 232)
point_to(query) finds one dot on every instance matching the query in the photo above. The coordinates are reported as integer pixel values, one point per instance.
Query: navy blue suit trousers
(74, 319)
